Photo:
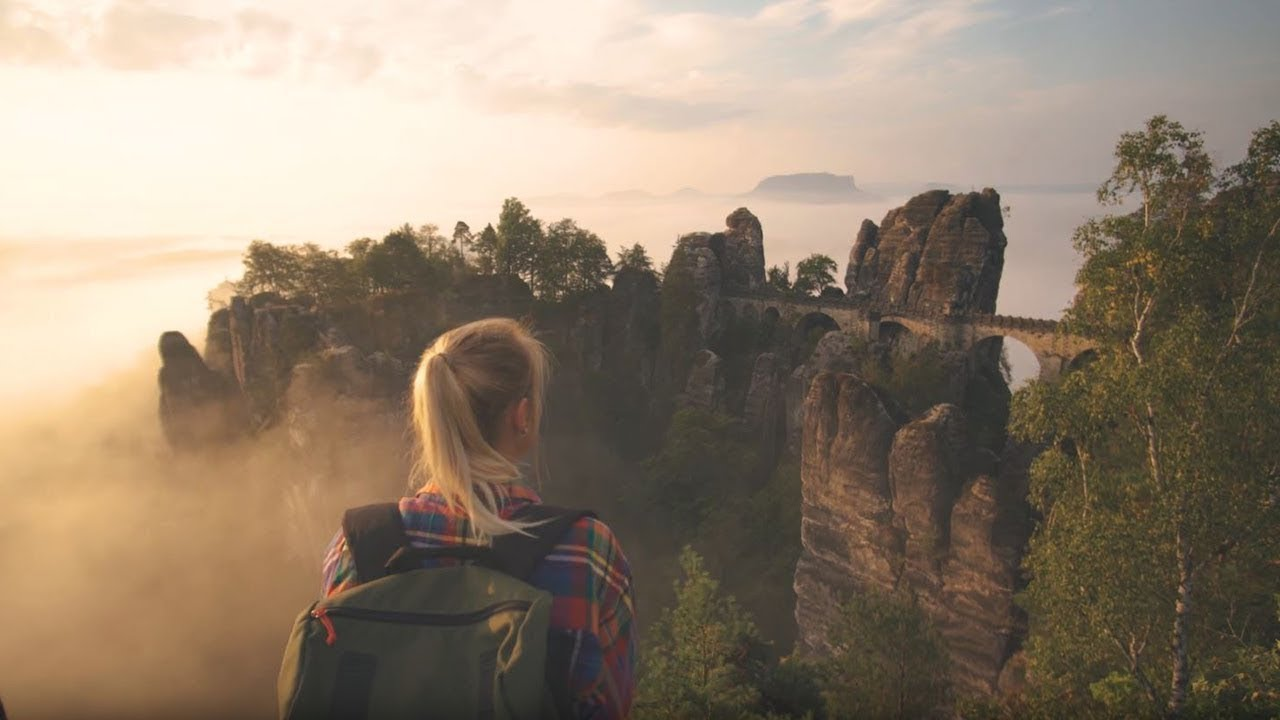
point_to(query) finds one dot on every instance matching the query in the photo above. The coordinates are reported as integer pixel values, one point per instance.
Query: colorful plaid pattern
(588, 578)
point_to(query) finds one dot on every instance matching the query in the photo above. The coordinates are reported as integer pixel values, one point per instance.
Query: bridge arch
(1018, 363)
(1083, 358)
(809, 329)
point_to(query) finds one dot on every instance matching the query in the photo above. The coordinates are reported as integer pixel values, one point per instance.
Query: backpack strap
(517, 554)
(374, 533)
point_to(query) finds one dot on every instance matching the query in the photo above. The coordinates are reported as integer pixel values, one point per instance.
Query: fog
(139, 583)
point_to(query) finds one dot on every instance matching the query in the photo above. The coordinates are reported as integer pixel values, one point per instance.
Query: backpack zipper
(323, 614)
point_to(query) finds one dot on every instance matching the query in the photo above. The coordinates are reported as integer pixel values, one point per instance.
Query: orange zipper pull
(322, 614)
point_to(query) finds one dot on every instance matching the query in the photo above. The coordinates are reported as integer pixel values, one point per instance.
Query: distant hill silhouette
(819, 187)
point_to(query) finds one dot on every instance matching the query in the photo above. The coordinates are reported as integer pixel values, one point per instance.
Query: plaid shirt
(588, 578)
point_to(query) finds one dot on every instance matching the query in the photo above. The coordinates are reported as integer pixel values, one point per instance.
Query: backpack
(464, 641)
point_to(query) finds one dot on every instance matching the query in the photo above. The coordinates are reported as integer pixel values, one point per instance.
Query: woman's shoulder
(593, 538)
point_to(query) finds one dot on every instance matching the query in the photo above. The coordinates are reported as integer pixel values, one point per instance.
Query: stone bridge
(1054, 350)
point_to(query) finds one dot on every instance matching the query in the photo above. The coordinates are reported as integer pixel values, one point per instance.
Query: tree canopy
(1155, 563)
(558, 261)
(814, 274)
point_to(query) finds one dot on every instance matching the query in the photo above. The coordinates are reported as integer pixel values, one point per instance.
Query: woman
(477, 405)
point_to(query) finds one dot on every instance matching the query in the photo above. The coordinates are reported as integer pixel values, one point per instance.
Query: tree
(326, 276)
(397, 262)
(701, 461)
(569, 261)
(462, 239)
(779, 278)
(486, 250)
(634, 258)
(519, 240)
(1160, 489)
(220, 296)
(269, 267)
(813, 274)
(887, 660)
(700, 652)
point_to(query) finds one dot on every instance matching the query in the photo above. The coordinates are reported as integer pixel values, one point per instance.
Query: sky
(296, 118)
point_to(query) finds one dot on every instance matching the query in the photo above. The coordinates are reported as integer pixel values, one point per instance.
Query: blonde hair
(465, 383)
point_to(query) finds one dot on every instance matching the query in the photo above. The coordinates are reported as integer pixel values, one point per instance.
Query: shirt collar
(507, 494)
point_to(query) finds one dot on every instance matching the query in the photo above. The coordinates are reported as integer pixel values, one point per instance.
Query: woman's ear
(523, 417)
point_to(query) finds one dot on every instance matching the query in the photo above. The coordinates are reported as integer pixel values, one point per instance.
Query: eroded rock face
(846, 526)
(743, 251)
(690, 314)
(198, 407)
(705, 389)
(837, 351)
(766, 404)
(888, 505)
(217, 344)
(938, 253)
(631, 327)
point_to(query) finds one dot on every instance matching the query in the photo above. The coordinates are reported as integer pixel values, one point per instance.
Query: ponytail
(465, 382)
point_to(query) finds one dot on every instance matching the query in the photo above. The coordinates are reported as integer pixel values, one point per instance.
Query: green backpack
(466, 641)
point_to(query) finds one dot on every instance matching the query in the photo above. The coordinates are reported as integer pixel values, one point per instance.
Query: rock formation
(743, 252)
(703, 267)
(888, 505)
(938, 253)
(632, 309)
(765, 409)
(198, 407)
(705, 389)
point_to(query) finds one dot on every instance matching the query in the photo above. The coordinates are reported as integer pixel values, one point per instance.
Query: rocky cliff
(704, 267)
(892, 503)
(937, 253)
(274, 356)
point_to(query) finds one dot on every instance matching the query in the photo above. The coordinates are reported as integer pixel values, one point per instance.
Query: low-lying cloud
(594, 104)
(141, 36)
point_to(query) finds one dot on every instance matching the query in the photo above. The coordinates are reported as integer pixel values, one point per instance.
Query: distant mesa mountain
(820, 187)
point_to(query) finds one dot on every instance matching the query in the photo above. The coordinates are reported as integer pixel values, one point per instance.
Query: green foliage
(702, 461)
(462, 239)
(887, 660)
(564, 261)
(814, 274)
(519, 235)
(704, 658)
(570, 261)
(634, 258)
(299, 270)
(779, 278)
(485, 246)
(753, 533)
(269, 268)
(698, 656)
(916, 381)
(1155, 561)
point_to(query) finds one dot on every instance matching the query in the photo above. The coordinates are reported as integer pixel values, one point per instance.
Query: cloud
(28, 37)
(144, 265)
(593, 104)
(843, 12)
(141, 36)
(136, 35)
(613, 63)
